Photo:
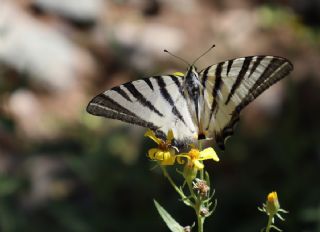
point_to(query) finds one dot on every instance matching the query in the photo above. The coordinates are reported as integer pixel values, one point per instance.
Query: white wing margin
(231, 85)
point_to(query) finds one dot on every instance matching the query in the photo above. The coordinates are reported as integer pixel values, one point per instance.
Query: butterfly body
(198, 105)
(193, 87)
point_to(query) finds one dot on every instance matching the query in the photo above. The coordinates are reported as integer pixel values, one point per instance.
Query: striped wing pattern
(158, 103)
(161, 103)
(231, 85)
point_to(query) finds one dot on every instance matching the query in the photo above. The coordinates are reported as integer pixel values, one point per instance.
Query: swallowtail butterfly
(199, 105)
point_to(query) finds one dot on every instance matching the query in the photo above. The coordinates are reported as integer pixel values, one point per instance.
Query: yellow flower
(272, 209)
(272, 204)
(272, 197)
(195, 157)
(164, 153)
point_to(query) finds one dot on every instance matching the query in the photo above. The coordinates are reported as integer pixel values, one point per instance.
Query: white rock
(27, 112)
(78, 9)
(40, 51)
(148, 40)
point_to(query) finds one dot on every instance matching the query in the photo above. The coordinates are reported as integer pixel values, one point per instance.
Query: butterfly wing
(231, 85)
(158, 103)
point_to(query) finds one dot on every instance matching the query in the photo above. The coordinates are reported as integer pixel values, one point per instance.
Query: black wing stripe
(204, 79)
(271, 68)
(175, 80)
(256, 64)
(122, 93)
(143, 101)
(216, 88)
(227, 131)
(177, 83)
(148, 82)
(230, 62)
(240, 77)
(105, 101)
(100, 110)
(100, 104)
(277, 69)
(166, 95)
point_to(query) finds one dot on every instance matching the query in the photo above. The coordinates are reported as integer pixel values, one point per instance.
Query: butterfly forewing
(158, 103)
(231, 85)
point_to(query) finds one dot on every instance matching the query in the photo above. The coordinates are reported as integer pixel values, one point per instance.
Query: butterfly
(199, 105)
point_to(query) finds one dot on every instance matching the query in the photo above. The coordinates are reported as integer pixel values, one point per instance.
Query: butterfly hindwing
(231, 85)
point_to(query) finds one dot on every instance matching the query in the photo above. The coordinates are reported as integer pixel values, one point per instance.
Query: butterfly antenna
(179, 58)
(203, 54)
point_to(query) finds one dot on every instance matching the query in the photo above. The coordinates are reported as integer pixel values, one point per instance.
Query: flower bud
(272, 204)
(201, 187)
(204, 211)
(189, 172)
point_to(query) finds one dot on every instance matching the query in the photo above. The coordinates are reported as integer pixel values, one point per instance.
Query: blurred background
(64, 170)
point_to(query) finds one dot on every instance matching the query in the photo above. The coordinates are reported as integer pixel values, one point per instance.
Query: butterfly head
(192, 74)
(192, 77)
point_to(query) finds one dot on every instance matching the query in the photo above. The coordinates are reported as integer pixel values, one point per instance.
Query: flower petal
(208, 153)
(273, 196)
(149, 133)
(170, 135)
(180, 159)
(169, 159)
(178, 74)
(152, 152)
(198, 164)
(159, 155)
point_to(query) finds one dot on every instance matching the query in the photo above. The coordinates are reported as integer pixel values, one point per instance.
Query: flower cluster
(166, 154)
(195, 191)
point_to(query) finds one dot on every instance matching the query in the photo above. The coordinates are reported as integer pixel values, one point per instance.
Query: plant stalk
(269, 223)
(166, 174)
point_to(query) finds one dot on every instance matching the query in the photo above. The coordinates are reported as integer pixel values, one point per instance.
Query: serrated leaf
(172, 224)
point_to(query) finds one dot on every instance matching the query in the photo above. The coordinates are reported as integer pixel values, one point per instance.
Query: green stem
(191, 191)
(200, 219)
(197, 206)
(166, 174)
(269, 223)
(200, 223)
(202, 170)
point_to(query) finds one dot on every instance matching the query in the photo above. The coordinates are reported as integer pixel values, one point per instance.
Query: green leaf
(172, 224)
(276, 228)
